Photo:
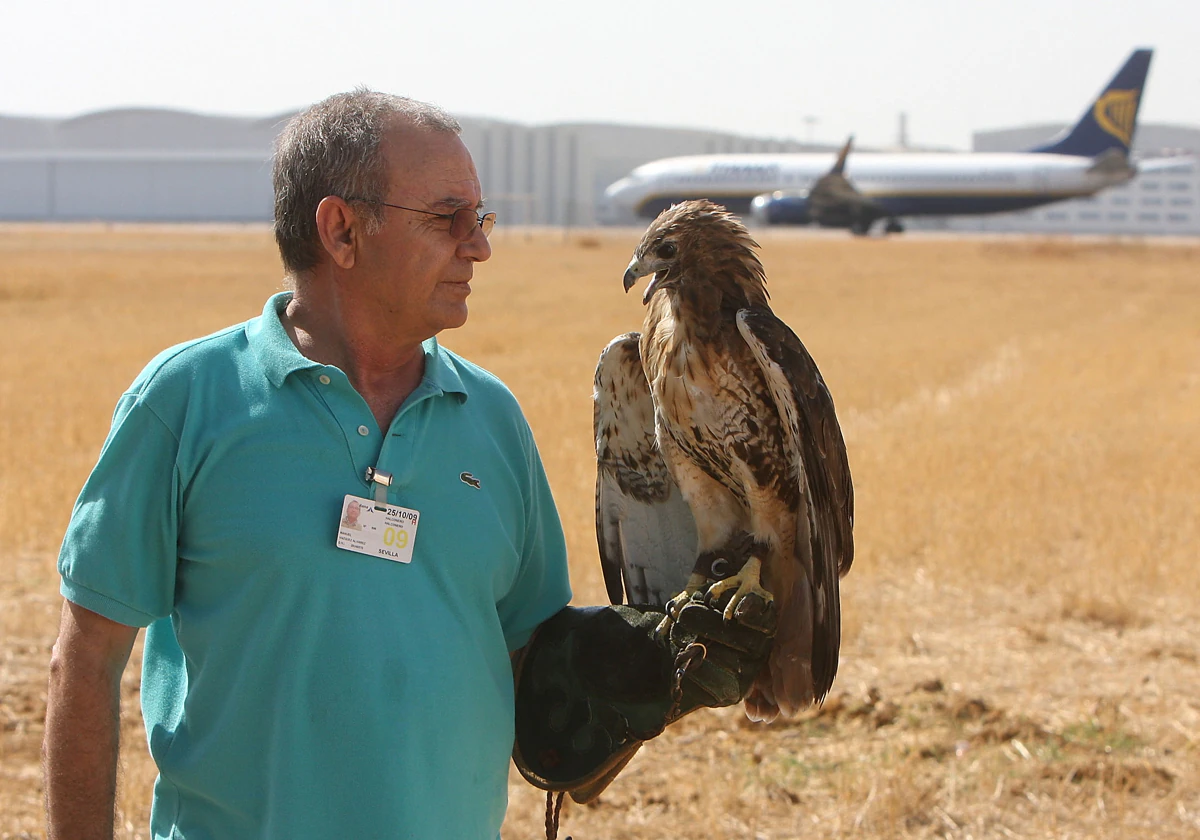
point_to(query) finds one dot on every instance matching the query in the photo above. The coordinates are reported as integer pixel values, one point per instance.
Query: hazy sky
(747, 66)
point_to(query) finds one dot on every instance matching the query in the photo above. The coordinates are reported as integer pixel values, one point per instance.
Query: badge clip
(382, 481)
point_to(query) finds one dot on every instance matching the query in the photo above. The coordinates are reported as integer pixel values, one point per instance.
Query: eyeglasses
(462, 221)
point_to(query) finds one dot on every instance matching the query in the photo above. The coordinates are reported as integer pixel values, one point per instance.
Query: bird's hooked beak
(635, 272)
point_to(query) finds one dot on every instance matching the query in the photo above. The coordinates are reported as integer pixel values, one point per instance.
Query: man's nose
(476, 248)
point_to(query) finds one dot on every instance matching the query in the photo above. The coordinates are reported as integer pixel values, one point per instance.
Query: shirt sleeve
(119, 554)
(542, 586)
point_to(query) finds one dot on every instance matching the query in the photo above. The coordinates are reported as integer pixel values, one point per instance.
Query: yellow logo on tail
(1115, 112)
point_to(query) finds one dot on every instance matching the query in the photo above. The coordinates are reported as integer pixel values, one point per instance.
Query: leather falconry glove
(595, 683)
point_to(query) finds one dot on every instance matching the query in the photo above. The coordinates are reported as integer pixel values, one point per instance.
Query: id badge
(389, 533)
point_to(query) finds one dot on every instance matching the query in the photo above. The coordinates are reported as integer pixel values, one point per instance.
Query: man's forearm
(83, 721)
(80, 753)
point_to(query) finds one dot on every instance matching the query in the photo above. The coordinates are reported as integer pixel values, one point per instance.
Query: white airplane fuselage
(903, 184)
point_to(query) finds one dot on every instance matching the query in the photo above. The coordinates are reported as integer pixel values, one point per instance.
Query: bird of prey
(721, 464)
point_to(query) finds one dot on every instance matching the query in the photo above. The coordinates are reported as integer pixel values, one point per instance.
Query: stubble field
(1022, 631)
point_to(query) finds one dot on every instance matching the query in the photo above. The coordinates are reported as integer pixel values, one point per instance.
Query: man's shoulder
(184, 361)
(478, 381)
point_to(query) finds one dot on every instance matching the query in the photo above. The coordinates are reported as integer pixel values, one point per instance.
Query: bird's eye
(665, 251)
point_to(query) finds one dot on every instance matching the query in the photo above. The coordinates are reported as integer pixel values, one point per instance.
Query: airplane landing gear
(893, 226)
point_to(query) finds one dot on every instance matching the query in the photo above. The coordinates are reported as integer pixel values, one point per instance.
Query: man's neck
(383, 367)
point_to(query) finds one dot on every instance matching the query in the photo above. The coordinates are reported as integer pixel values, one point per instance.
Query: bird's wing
(644, 528)
(819, 458)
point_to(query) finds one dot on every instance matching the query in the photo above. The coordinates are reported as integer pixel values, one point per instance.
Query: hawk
(721, 464)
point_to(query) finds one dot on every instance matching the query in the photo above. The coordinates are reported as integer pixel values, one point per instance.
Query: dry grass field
(1022, 629)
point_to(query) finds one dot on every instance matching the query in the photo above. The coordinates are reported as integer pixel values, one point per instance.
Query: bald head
(337, 147)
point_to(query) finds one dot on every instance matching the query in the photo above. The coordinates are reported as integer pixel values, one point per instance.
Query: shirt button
(364, 431)
(323, 379)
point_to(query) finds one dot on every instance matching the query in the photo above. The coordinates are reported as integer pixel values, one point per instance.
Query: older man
(298, 684)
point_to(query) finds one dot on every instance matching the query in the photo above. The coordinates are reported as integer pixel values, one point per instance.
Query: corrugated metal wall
(134, 187)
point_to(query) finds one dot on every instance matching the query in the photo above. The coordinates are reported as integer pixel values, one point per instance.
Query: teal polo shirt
(292, 689)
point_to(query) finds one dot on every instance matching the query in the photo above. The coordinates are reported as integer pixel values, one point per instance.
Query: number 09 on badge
(388, 533)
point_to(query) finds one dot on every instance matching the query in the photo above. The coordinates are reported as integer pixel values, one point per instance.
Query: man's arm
(83, 723)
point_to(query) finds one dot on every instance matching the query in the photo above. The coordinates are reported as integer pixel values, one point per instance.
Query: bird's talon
(696, 588)
(739, 587)
(674, 606)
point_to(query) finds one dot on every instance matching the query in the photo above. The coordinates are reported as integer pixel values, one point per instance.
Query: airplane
(857, 190)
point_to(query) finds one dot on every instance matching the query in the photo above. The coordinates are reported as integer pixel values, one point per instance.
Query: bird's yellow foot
(746, 582)
(695, 584)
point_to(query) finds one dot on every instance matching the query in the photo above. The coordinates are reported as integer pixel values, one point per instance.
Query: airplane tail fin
(1109, 122)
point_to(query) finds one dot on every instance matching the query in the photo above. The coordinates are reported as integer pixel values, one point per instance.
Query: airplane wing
(835, 202)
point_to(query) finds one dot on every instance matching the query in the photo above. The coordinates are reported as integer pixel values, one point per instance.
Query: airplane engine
(781, 207)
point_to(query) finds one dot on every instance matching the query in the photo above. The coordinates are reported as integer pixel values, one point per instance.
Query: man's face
(413, 269)
(352, 512)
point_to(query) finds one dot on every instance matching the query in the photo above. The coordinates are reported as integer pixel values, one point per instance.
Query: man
(350, 517)
(291, 687)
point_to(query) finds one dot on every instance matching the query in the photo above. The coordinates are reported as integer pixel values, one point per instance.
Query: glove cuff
(595, 683)
(591, 687)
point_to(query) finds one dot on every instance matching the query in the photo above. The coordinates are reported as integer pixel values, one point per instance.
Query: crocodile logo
(467, 478)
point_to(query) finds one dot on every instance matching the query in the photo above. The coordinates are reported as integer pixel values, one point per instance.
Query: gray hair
(334, 148)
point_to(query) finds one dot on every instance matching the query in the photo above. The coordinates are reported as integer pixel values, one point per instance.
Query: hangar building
(175, 166)
(136, 165)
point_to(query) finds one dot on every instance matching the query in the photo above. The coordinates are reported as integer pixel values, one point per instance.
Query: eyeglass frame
(488, 219)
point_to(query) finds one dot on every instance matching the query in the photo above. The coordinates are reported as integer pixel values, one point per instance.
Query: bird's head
(697, 242)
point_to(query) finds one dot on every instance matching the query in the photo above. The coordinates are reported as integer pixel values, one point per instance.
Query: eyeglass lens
(463, 222)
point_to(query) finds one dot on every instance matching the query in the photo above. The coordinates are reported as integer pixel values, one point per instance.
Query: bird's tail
(760, 705)
(785, 685)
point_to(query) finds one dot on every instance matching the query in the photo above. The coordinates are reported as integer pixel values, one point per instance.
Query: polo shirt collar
(440, 371)
(278, 356)
(272, 345)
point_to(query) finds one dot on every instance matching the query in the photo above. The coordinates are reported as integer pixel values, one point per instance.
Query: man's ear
(339, 228)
